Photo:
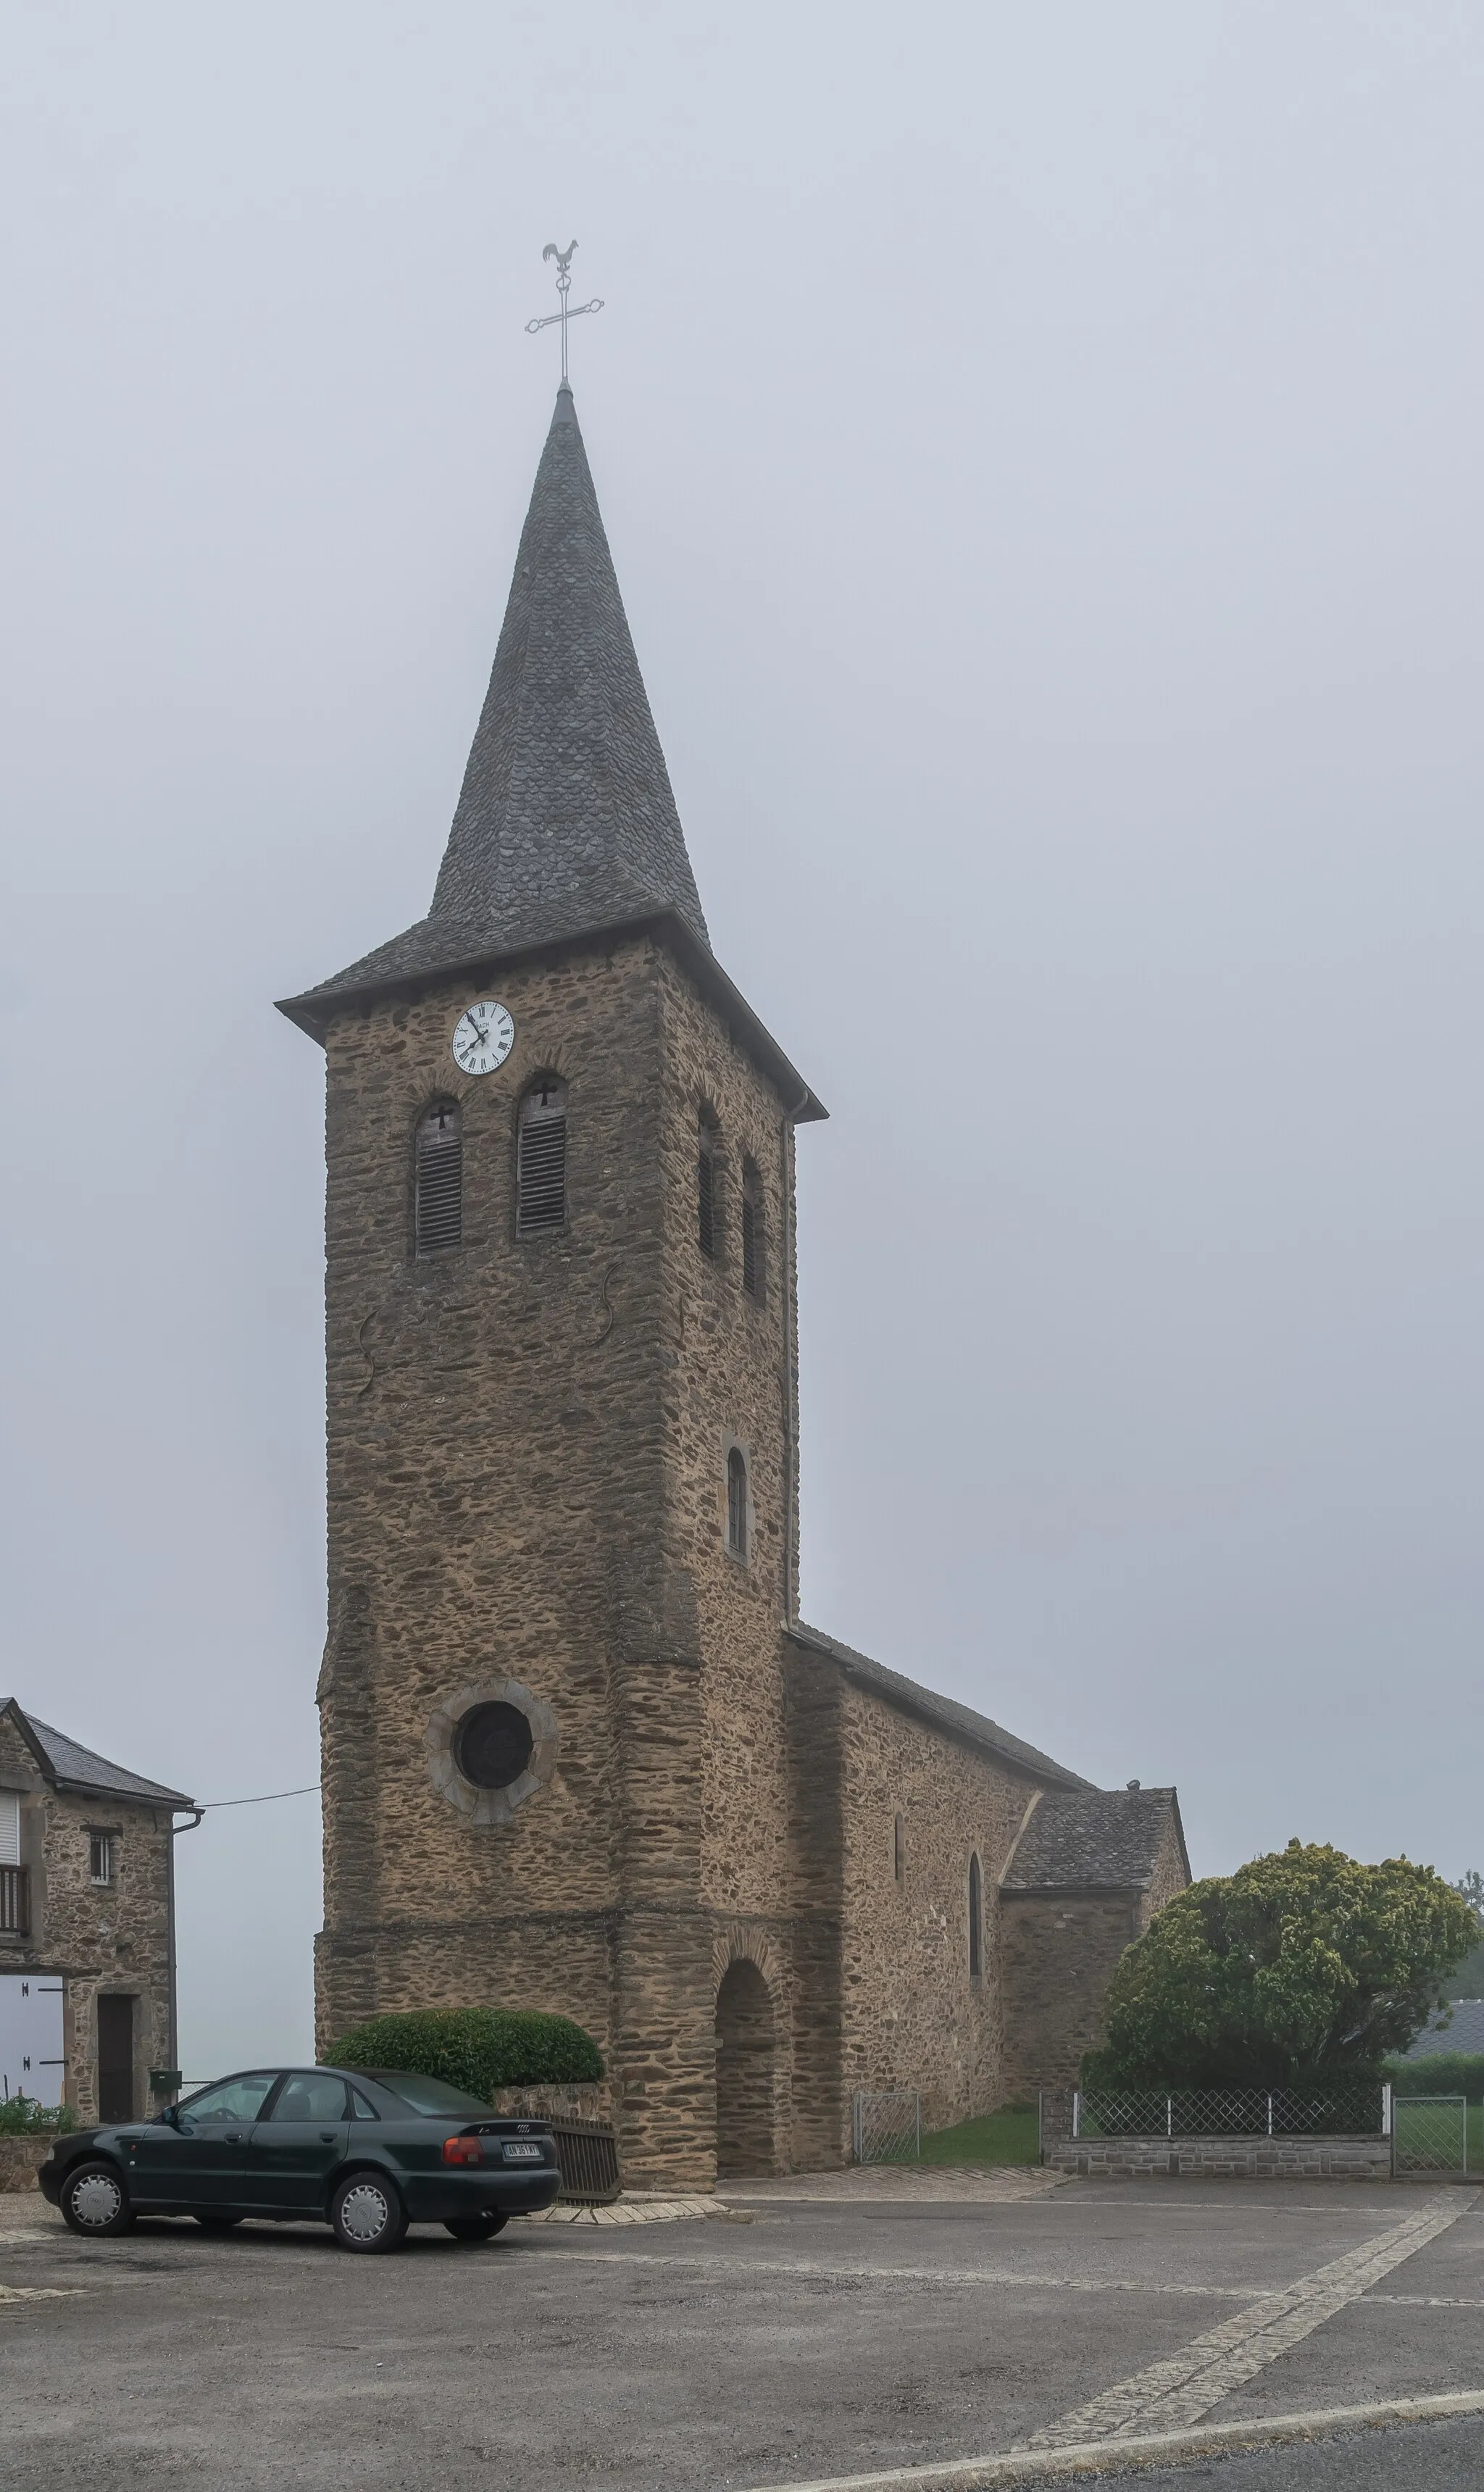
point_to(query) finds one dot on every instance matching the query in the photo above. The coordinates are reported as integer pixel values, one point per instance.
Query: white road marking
(1038, 2466)
(1178, 2389)
(41, 2292)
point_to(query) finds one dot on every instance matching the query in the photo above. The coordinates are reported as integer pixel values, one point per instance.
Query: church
(580, 1750)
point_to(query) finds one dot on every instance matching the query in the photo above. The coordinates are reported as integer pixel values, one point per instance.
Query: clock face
(483, 1038)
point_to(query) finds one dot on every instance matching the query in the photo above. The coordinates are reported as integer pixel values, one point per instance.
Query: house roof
(1464, 2032)
(960, 1721)
(73, 1768)
(1093, 1838)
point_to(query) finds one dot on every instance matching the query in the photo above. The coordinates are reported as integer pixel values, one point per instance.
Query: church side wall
(912, 2017)
(1169, 1877)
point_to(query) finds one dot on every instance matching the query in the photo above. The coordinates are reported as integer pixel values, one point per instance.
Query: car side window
(311, 2095)
(230, 2105)
(360, 2108)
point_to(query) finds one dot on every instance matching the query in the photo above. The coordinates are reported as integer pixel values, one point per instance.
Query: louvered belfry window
(439, 1178)
(705, 1186)
(975, 1918)
(541, 1160)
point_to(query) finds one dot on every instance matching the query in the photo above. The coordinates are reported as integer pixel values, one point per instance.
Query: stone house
(87, 1923)
(579, 1752)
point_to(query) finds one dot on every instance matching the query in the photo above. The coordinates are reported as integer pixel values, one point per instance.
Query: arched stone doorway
(745, 2056)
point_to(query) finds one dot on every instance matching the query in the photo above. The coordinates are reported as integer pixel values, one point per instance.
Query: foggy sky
(1040, 449)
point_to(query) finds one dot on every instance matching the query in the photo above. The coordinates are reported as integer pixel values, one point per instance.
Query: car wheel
(475, 2228)
(217, 2223)
(367, 2212)
(95, 2202)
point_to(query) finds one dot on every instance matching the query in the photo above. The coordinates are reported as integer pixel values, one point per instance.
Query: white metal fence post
(1270, 2114)
(1169, 2115)
(1077, 2114)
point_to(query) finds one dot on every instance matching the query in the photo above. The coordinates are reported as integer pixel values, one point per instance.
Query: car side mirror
(169, 2118)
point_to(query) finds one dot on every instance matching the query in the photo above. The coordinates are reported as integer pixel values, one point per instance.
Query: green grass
(998, 2137)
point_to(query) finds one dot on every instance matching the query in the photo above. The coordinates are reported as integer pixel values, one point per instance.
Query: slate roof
(65, 1762)
(1093, 1838)
(1464, 2033)
(960, 1721)
(566, 822)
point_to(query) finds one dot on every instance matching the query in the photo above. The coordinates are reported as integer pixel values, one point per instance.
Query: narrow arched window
(705, 1189)
(736, 1503)
(752, 1233)
(541, 1159)
(975, 1918)
(438, 1184)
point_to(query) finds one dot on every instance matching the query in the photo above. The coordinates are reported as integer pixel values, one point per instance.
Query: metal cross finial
(568, 311)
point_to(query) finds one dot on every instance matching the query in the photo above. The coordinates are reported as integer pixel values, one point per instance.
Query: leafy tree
(1467, 1979)
(1304, 1963)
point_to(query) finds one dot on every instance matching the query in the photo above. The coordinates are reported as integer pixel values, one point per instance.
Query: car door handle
(234, 2137)
(328, 2136)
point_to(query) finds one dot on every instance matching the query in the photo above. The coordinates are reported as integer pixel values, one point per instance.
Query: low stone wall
(555, 2102)
(1224, 2158)
(19, 2158)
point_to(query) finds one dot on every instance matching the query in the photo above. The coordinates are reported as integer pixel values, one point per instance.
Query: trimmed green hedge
(475, 2048)
(1442, 2072)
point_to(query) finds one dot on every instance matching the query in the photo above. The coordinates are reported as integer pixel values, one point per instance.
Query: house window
(9, 1829)
(899, 1847)
(736, 1503)
(975, 1918)
(752, 1233)
(541, 1159)
(705, 1191)
(440, 1181)
(100, 1859)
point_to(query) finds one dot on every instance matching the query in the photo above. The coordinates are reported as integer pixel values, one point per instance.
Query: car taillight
(463, 2150)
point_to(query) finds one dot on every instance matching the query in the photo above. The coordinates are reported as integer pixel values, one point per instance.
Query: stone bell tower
(561, 1406)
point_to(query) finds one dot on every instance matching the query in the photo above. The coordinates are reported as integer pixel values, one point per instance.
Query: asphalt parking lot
(824, 2338)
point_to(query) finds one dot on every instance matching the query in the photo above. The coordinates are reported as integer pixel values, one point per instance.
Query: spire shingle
(566, 821)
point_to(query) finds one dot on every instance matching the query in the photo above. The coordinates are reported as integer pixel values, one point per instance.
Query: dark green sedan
(366, 2150)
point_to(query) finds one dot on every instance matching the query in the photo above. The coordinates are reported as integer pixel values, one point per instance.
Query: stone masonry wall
(912, 2016)
(1223, 2159)
(528, 1444)
(1057, 1954)
(95, 1938)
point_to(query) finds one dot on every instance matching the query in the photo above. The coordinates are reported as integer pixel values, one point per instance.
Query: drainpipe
(196, 1816)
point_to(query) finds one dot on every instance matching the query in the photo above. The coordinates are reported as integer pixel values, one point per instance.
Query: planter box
(1223, 2159)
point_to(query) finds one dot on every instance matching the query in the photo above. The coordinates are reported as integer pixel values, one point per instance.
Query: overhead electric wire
(254, 1799)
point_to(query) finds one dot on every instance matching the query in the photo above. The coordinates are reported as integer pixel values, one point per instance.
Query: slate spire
(564, 822)
(566, 818)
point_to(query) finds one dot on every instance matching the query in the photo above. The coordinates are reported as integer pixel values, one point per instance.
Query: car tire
(366, 2213)
(475, 2228)
(217, 2223)
(94, 2200)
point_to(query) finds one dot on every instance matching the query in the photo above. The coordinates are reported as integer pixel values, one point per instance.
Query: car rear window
(430, 2095)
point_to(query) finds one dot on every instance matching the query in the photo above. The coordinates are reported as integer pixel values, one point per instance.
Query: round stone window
(490, 1748)
(492, 1745)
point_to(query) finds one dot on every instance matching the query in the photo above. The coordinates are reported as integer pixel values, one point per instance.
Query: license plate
(523, 2154)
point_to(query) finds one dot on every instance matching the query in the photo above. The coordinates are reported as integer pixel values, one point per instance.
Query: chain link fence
(1235, 2110)
(1429, 2133)
(888, 2129)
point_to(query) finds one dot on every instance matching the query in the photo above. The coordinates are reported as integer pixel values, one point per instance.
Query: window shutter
(706, 1201)
(9, 1829)
(439, 1218)
(541, 1161)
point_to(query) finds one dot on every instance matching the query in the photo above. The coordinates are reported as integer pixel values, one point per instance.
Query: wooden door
(115, 2059)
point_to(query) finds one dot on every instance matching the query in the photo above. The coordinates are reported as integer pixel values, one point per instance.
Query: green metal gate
(1429, 2133)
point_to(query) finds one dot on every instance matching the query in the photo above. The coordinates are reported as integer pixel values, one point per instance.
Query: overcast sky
(1040, 448)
